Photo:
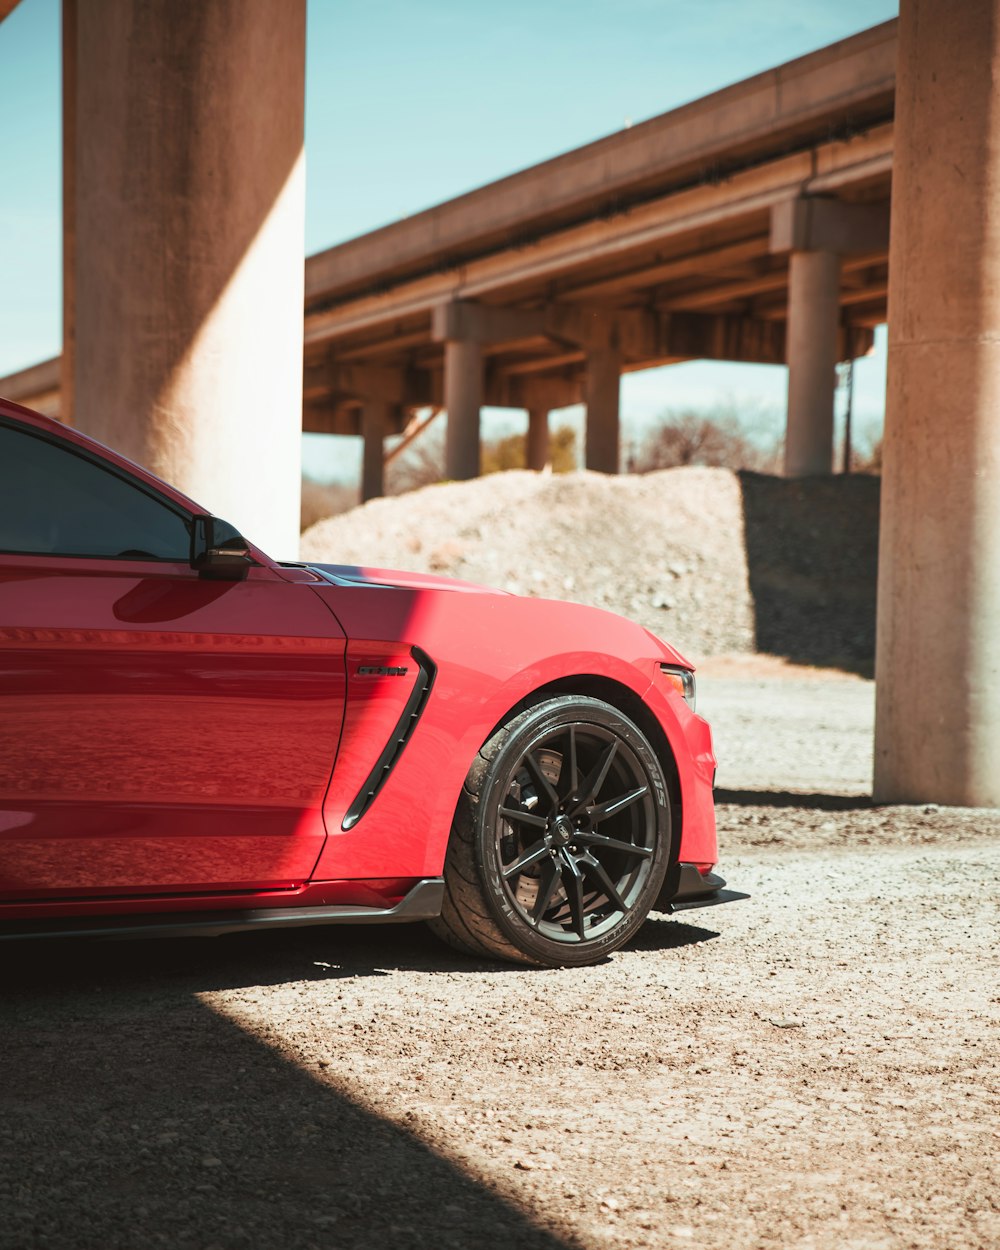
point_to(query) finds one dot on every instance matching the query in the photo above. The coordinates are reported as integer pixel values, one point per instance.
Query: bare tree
(423, 462)
(714, 439)
(323, 499)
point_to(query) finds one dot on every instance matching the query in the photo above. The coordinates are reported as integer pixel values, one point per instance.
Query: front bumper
(686, 888)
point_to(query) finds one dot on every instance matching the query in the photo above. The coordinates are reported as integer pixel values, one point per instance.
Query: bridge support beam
(813, 313)
(375, 415)
(937, 723)
(603, 388)
(537, 456)
(187, 266)
(463, 397)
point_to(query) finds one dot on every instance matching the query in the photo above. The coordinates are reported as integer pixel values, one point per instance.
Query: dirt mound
(716, 561)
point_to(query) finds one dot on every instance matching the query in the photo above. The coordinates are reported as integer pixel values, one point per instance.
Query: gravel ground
(818, 726)
(815, 1067)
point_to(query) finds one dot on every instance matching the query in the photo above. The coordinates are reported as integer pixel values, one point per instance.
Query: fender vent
(400, 736)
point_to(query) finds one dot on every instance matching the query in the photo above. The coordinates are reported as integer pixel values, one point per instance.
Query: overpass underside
(751, 226)
(714, 274)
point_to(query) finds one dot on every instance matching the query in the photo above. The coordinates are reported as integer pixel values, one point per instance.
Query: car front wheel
(561, 838)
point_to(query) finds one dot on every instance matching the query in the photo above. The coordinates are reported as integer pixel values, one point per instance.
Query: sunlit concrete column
(68, 354)
(937, 727)
(538, 438)
(188, 268)
(374, 424)
(603, 388)
(463, 397)
(813, 312)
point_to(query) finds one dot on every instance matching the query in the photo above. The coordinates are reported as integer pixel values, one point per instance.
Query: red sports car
(196, 738)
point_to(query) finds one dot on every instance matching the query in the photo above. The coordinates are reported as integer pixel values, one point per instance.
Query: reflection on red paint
(189, 753)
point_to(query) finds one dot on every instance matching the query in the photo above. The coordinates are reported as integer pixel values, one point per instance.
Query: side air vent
(400, 736)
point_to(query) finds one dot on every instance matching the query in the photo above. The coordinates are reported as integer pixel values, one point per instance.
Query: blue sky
(409, 102)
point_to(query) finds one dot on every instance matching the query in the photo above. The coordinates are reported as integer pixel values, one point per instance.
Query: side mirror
(218, 551)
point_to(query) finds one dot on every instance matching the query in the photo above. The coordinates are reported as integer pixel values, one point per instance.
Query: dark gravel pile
(812, 565)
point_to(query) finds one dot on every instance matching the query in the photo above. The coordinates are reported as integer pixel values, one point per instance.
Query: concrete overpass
(751, 225)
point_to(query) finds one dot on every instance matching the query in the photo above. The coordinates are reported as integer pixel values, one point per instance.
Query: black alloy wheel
(562, 839)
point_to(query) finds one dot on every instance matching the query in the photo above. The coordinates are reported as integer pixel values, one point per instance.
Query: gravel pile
(718, 562)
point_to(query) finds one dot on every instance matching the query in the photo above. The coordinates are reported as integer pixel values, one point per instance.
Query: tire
(561, 838)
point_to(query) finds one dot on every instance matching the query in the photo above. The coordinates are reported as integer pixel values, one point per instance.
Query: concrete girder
(388, 383)
(677, 220)
(548, 391)
(391, 343)
(707, 337)
(484, 323)
(753, 121)
(635, 333)
(815, 223)
(562, 323)
(342, 414)
(646, 339)
(669, 270)
(336, 389)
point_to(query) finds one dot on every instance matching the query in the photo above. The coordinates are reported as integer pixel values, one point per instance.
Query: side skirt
(423, 902)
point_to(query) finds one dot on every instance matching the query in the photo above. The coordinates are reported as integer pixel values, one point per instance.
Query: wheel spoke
(545, 894)
(542, 780)
(521, 816)
(596, 870)
(574, 894)
(595, 779)
(574, 764)
(531, 856)
(613, 806)
(614, 844)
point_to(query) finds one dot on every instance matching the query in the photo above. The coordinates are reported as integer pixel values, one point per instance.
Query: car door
(160, 733)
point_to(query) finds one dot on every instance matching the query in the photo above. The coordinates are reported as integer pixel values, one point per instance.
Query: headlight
(682, 680)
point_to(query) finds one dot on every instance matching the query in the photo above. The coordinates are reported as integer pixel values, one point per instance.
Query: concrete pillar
(813, 315)
(374, 424)
(188, 273)
(603, 386)
(537, 454)
(68, 355)
(937, 725)
(463, 397)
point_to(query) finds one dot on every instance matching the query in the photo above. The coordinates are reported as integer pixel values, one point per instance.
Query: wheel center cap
(562, 831)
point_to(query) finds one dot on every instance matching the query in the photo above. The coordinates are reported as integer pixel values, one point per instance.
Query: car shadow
(133, 1114)
(279, 957)
(660, 933)
(789, 798)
